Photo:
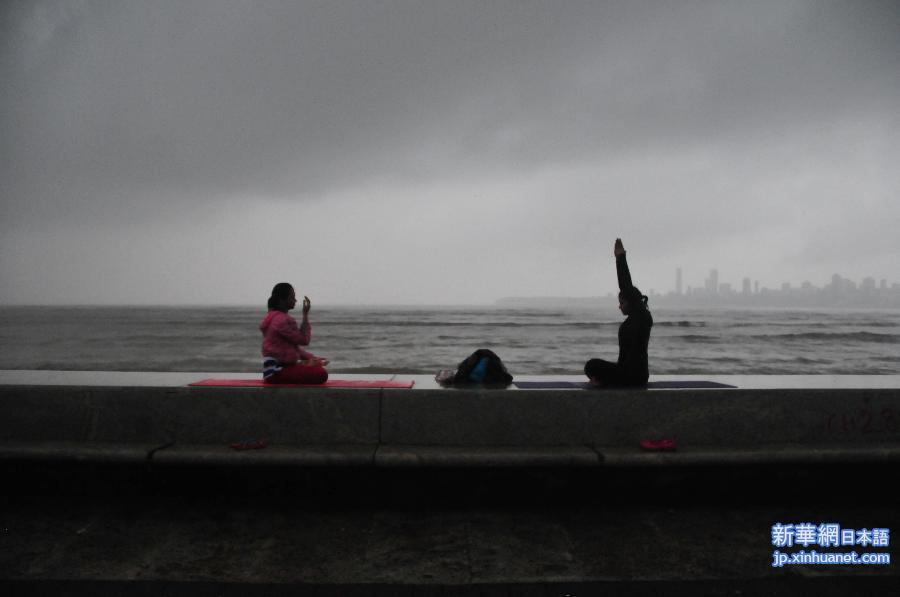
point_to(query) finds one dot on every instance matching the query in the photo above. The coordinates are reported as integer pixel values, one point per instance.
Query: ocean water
(423, 340)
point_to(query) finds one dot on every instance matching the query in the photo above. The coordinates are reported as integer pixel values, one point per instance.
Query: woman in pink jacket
(283, 359)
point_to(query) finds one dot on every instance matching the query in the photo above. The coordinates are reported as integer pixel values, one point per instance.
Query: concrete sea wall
(439, 427)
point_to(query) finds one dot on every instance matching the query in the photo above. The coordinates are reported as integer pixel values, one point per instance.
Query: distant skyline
(838, 292)
(406, 152)
(715, 283)
(866, 291)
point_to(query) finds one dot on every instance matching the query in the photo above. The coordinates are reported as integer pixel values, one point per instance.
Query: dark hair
(634, 297)
(280, 295)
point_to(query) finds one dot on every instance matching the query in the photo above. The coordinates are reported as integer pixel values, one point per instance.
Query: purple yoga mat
(569, 385)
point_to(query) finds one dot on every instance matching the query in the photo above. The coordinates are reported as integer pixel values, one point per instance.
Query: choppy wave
(837, 337)
(679, 324)
(390, 340)
(832, 337)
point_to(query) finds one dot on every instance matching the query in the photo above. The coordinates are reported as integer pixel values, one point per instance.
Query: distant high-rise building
(746, 286)
(712, 283)
(837, 283)
(678, 281)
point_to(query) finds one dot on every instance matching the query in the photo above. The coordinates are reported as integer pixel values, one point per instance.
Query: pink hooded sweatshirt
(281, 337)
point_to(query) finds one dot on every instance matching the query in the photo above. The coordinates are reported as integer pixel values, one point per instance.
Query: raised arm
(622, 266)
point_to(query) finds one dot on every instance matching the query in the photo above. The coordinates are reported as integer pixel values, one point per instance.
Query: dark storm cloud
(271, 98)
(106, 104)
(373, 150)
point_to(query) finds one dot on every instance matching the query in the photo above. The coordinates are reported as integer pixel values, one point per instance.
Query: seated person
(631, 368)
(284, 362)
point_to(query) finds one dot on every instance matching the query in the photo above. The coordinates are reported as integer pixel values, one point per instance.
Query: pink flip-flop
(658, 445)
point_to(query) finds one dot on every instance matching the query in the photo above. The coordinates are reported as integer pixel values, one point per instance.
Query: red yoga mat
(331, 383)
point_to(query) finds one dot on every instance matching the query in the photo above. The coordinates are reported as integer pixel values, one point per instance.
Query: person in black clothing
(632, 368)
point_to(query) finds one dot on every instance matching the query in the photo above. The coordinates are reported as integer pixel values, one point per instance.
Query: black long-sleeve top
(634, 333)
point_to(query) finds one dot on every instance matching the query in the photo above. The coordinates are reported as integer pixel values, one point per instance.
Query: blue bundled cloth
(478, 372)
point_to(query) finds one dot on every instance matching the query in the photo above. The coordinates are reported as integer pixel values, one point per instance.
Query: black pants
(610, 374)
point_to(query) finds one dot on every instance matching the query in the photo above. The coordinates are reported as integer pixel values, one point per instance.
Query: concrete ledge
(501, 456)
(443, 456)
(786, 454)
(188, 415)
(330, 455)
(461, 427)
(733, 417)
(76, 452)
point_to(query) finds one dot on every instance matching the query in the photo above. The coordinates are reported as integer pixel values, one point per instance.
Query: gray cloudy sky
(441, 152)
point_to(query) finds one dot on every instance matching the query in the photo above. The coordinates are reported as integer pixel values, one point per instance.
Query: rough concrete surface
(439, 528)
